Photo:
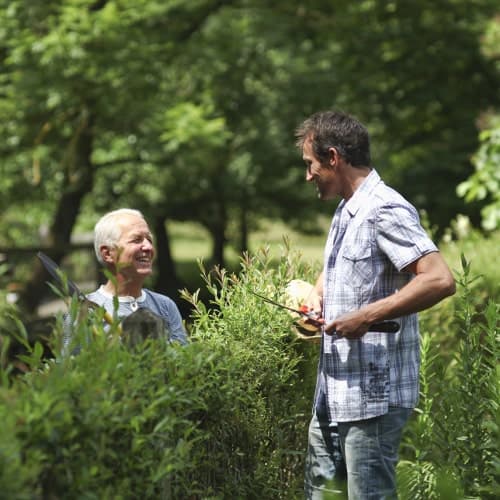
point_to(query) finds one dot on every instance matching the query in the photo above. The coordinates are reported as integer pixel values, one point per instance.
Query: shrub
(453, 441)
(224, 417)
(439, 321)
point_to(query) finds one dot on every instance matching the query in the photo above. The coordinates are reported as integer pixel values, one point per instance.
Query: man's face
(323, 175)
(134, 251)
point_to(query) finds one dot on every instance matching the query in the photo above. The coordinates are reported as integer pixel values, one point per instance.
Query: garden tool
(66, 285)
(303, 310)
(313, 318)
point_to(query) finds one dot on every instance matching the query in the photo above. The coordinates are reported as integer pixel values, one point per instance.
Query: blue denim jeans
(325, 472)
(366, 449)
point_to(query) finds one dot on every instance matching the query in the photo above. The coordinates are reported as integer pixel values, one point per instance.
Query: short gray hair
(107, 230)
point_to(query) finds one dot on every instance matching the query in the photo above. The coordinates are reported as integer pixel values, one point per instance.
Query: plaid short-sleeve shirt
(373, 236)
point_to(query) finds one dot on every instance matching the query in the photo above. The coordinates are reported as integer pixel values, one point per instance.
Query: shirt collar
(125, 298)
(358, 199)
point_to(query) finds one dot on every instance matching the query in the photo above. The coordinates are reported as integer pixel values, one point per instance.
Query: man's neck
(123, 289)
(354, 177)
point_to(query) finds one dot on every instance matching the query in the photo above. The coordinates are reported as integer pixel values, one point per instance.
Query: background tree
(81, 77)
(186, 110)
(484, 183)
(415, 73)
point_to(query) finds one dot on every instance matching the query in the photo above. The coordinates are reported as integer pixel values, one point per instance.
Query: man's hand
(314, 301)
(352, 325)
(432, 282)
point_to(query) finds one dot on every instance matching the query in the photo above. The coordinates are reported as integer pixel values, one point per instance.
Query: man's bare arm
(433, 282)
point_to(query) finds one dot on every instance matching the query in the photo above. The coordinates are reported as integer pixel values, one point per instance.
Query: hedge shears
(314, 318)
(304, 311)
(67, 286)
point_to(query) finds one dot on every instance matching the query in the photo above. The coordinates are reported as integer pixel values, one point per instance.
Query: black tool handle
(384, 326)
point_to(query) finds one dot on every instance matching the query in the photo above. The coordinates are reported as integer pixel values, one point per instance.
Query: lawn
(191, 241)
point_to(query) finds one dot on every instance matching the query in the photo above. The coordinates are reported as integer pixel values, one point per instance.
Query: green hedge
(224, 417)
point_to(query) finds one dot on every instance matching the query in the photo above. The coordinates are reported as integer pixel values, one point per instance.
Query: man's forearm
(432, 283)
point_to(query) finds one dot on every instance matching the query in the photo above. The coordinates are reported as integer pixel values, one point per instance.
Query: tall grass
(451, 449)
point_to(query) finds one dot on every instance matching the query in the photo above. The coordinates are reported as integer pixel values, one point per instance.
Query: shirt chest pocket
(358, 265)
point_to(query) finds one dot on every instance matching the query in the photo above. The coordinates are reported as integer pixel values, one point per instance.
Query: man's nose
(146, 244)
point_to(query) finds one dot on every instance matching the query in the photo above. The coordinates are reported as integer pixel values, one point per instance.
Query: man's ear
(333, 157)
(107, 254)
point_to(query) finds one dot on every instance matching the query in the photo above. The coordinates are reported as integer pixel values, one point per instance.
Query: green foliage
(454, 439)
(484, 183)
(86, 424)
(219, 418)
(481, 252)
(226, 416)
(471, 409)
(422, 141)
(271, 364)
(482, 256)
(9, 322)
(187, 108)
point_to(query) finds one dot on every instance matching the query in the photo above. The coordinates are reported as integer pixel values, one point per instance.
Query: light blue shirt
(160, 304)
(373, 236)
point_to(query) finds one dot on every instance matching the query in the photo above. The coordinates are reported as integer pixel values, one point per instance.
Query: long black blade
(56, 273)
(277, 304)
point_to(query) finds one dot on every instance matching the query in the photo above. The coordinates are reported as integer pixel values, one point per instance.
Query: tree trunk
(77, 184)
(243, 229)
(218, 232)
(167, 281)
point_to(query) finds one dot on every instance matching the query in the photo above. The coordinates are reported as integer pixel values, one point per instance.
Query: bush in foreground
(224, 417)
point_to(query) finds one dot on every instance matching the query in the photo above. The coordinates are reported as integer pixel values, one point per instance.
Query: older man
(123, 244)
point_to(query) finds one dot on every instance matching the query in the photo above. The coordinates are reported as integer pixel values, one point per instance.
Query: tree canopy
(186, 109)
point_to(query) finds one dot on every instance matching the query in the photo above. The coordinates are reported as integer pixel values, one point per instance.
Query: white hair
(108, 231)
